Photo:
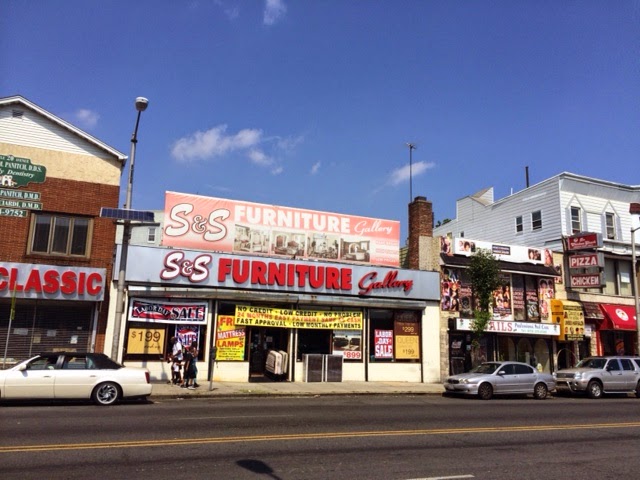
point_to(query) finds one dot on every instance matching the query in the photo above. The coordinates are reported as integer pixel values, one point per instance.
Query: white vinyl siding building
(567, 203)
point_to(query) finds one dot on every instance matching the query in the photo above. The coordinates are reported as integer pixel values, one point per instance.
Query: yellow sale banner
(230, 340)
(287, 318)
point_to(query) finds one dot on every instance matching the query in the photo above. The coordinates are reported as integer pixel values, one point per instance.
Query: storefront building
(268, 305)
(55, 250)
(522, 326)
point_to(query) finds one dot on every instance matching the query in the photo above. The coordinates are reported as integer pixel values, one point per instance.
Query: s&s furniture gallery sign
(206, 223)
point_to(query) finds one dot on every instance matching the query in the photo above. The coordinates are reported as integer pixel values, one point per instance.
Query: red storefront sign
(26, 280)
(586, 281)
(584, 241)
(586, 261)
(245, 272)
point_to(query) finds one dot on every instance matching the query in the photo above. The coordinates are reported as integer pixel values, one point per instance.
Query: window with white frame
(60, 235)
(536, 220)
(519, 224)
(610, 225)
(576, 220)
(151, 235)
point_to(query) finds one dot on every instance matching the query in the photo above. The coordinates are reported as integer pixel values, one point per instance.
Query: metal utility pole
(412, 147)
(634, 209)
(141, 106)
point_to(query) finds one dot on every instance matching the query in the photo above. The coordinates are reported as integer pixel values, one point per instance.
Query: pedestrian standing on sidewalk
(176, 358)
(190, 368)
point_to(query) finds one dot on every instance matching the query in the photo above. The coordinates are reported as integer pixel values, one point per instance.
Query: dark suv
(596, 376)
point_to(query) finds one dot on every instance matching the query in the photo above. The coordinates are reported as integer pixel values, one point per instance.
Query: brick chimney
(420, 225)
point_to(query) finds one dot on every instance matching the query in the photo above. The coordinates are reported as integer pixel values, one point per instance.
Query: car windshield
(592, 363)
(485, 368)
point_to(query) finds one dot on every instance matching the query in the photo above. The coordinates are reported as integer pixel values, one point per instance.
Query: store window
(530, 297)
(60, 235)
(314, 341)
(394, 335)
(45, 326)
(618, 277)
(152, 341)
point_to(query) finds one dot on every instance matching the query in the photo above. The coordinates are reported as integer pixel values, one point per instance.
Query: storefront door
(262, 341)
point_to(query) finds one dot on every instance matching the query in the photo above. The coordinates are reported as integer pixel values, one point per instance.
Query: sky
(311, 104)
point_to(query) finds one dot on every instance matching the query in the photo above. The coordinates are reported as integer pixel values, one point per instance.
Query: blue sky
(310, 104)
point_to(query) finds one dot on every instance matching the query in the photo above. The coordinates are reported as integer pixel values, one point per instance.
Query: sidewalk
(246, 389)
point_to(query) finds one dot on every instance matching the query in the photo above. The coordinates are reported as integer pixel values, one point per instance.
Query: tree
(439, 223)
(484, 274)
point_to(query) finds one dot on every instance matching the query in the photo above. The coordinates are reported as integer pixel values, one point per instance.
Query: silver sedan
(497, 378)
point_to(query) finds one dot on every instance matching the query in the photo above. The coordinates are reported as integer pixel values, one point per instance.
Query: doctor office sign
(19, 172)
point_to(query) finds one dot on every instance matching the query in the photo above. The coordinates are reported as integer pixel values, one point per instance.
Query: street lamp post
(634, 209)
(141, 106)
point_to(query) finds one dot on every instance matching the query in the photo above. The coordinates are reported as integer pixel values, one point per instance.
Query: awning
(592, 311)
(618, 317)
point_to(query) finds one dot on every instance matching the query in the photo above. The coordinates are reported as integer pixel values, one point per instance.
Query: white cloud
(265, 152)
(214, 143)
(289, 144)
(86, 118)
(231, 11)
(402, 174)
(273, 11)
(315, 168)
(260, 158)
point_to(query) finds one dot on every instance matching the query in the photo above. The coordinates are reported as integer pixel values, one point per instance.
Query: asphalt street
(396, 437)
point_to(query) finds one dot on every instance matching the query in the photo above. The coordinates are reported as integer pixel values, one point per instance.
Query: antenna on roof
(412, 147)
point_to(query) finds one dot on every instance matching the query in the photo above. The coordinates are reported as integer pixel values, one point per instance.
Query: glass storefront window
(394, 335)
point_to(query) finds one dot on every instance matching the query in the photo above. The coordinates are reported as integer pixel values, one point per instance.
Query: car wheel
(638, 390)
(594, 389)
(106, 393)
(540, 391)
(485, 391)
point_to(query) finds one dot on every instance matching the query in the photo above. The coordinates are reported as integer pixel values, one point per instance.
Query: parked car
(596, 376)
(73, 375)
(497, 378)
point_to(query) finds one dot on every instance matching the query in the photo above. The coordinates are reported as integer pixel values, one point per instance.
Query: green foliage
(439, 223)
(484, 274)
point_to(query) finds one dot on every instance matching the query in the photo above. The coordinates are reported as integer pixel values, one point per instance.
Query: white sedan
(73, 375)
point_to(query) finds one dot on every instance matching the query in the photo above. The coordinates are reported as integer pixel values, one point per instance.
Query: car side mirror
(502, 372)
(609, 368)
(22, 367)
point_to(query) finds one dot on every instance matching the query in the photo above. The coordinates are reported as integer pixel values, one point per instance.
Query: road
(338, 437)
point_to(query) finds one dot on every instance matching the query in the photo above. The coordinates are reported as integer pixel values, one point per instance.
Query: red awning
(622, 317)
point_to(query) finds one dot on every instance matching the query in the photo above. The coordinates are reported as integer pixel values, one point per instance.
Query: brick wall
(420, 225)
(73, 198)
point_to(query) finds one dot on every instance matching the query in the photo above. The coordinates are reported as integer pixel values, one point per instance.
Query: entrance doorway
(263, 340)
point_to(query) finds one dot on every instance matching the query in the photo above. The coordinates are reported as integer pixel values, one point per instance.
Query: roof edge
(18, 99)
